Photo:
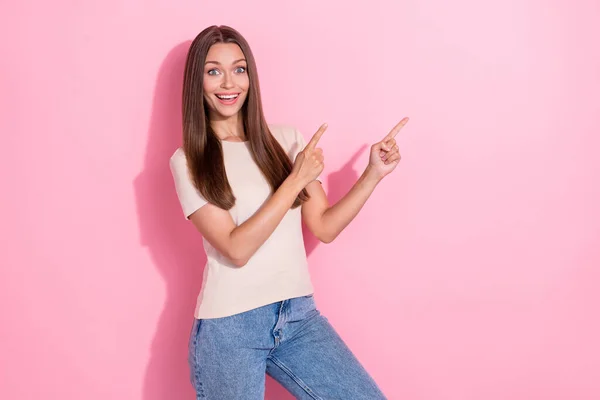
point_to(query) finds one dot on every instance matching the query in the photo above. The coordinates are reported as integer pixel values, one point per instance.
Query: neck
(229, 129)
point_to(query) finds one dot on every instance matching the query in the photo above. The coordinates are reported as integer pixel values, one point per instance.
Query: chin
(227, 113)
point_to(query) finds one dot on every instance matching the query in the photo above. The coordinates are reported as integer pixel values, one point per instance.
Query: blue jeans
(289, 340)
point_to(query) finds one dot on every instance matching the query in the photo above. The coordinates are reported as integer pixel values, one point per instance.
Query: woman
(247, 187)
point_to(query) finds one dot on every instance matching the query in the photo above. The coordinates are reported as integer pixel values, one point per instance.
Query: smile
(227, 99)
(227, 96)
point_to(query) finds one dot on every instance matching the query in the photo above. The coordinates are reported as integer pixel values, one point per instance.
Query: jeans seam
(197, 384)
(296, 379)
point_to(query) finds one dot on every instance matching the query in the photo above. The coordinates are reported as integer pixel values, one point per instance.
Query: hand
(385, 156)
(309, 162)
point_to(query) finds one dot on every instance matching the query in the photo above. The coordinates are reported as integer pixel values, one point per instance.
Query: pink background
(471, 273)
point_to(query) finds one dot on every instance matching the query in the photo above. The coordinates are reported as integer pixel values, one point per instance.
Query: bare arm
(327, 222)
(239, 243)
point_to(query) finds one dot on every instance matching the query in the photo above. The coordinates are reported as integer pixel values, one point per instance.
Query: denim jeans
(289, 340)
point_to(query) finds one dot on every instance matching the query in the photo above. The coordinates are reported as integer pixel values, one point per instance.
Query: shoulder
(178, 160)
(178, 154)
(288, 136)
(283, 131)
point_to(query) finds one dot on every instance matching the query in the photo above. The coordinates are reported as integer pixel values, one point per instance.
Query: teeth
(227, 97)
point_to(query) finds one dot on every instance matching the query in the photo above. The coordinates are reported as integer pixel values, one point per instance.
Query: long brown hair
(202, 147)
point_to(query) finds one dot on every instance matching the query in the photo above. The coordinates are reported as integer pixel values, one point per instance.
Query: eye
(240, 70)
(213, 72)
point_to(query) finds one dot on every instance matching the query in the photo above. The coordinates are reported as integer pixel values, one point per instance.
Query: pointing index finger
(315, 139)
(396, 129)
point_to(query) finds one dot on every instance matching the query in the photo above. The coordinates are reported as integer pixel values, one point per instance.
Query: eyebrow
(218, 63)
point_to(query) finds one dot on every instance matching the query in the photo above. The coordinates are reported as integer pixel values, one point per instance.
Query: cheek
(209, 86)
(208, 101)
(208, 90)
(244, 82)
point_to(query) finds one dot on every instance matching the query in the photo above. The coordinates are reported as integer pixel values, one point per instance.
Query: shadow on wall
(174, 244)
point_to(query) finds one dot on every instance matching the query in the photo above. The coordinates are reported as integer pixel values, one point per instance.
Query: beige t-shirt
(278, 270)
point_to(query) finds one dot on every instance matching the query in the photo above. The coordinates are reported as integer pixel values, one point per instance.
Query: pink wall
(472, 273)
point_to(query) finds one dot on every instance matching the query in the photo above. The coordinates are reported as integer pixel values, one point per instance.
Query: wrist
(295, 184)
(371, 175)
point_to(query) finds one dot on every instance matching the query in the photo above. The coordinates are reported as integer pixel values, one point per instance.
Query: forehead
(224, 53)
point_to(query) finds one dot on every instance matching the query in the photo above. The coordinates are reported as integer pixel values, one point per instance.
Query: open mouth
(227, 98)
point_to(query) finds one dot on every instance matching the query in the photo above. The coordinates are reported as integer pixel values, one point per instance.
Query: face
(226, 80)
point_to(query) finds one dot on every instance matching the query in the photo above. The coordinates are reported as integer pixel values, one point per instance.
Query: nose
(227, 81)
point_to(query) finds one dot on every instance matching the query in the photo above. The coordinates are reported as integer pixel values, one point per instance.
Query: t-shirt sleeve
(189, 197)
(299, 146)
